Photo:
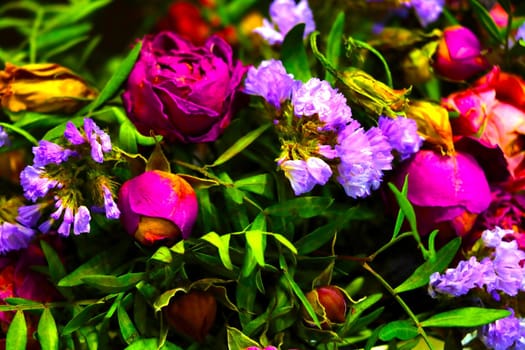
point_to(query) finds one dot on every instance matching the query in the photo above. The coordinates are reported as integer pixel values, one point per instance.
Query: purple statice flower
(356, 165)
(36, 183)
(50, 153)
(317, 97)
(14, 237)
(28, 215)
(98, 139)
(111, 208)
(286, 14)
(304, 175)
(73, 135)
(402, 135)
(506, 333)
(4, 138)
(81, 220)
(427, 11)
(381, 156)
(460, 280)
(270, 81)
(508, 261)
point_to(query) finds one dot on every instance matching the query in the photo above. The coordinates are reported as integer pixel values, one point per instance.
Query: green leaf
(237, 340)
(400, 215)
(112, 283)
(75, 13)
(100, 264)
(465, 317)
(334, 45)
(403, 330)
(486, 21)
(127, 328)
(256, 240)
(56, 268)
(293, 54)
(258, 184)
(303, 207)
(82, 318)
(421, 275)
(48, 40)
(223, 245)
(163, 254)
(116, 80)
(240, 145)
(16, 338)
(284, 241)
(357, 309)
(405, 206)
(47, 331)
(126, 138)
(317, 238)
(151, 344)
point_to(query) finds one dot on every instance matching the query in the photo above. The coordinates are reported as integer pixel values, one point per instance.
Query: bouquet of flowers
(253, 175)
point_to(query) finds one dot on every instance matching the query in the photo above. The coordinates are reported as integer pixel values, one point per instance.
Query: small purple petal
(73, 135)
(297, 173)
(112, 211)
(81, 221)
(35, 183)
(65, 226)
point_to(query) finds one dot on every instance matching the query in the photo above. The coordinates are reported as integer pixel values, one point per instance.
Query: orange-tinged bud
(329, 303)
(192, 314)
(44, 88)
(433, 124)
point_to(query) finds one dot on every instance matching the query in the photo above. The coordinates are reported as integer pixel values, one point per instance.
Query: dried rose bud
(192, 314)
(45, 88)
(329, 303)
(157, 206)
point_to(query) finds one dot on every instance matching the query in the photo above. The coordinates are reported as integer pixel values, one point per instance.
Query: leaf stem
(401, 302)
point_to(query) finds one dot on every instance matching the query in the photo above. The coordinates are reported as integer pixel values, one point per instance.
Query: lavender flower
(81, 220)
(98, 139)
(356, 160)
(14, 237)
(427, 11)
(67, 221)
(4, 138)
(402, 135)
(73, 135)
(317, 97)
(286, 14)
(50, 153)
(459, 281)
(304, 175)
(520, 33)
(36, 183)
(111, 208)
(28, 215)
(506, 333)
(270, 81)
(381, 156)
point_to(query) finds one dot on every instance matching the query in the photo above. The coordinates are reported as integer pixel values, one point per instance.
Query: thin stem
(34, 34)
(401, 302)
(393, 241)
(57, 304)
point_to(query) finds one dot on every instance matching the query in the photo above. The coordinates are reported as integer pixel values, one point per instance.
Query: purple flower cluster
(48, 175)
(427, 11)
(506, 333)
(14, 236)
(319, 137)
(286, 14)
(503, 271)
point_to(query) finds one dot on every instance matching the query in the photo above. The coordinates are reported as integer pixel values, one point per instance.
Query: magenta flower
(184, 92)
(447, 191)
(459, 56)
(157, 206)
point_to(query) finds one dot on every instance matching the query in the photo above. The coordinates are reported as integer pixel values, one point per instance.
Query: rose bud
(329, 303)
(183, 92)
(157, 206)
(44, 88)
(458, 56)
(447, 191)
(192, 314)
